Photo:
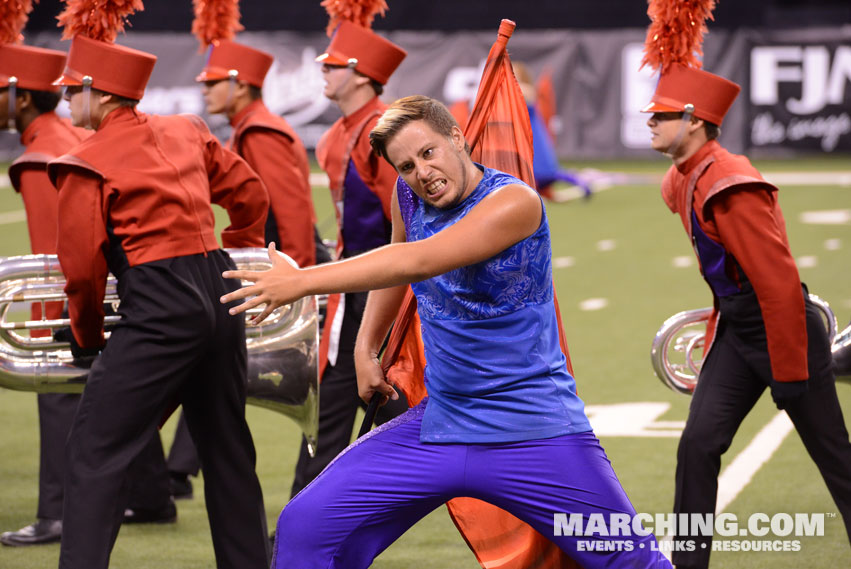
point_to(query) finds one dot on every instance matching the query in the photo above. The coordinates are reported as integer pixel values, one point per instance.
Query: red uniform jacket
(348, 139)
(146, 181)
(738, 209)
(270, 146)
(47, 137)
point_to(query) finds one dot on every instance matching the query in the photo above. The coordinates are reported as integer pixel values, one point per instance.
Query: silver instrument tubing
(676, 353)
(283, 351)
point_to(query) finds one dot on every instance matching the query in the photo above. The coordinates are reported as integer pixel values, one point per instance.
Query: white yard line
(318, 179)
(16, 216)
(747, 463)
(741, 471)
(838, 178)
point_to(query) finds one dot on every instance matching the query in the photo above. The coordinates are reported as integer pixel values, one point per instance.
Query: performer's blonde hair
(407, 110)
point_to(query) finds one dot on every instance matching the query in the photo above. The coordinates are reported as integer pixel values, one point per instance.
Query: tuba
(677, 349)
(282, 351)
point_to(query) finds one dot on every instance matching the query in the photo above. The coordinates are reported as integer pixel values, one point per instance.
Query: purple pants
(388, 480)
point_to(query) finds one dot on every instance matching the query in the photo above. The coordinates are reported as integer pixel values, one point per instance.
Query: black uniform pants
(55, 415)
(175, 342)
(182, 456)
(148, 474)
(733, 377)
(339, 401)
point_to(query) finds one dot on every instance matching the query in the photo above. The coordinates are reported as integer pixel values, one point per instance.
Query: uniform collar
(356, 117)
(121, 114)
(252, 107)
(31, 132)
(695, 159)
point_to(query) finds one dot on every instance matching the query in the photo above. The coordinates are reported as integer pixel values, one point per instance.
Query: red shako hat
(22, 66)
(227, 58)
(709, 94)
(354, 44)
(113, 68)
(673, 46)
(33, 68)
(93, 58)
(216, 22)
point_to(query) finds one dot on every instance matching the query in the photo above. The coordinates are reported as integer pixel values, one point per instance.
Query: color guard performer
(502, 421)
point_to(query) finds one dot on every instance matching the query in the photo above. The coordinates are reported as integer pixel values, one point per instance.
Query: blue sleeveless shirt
(495, 371)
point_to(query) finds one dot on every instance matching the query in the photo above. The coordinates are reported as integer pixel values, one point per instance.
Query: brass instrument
(678, 345)
(282, 351)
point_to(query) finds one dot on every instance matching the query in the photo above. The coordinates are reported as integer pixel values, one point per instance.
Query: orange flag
(498, 131)
(500, 136)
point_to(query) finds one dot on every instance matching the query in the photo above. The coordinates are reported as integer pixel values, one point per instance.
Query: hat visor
(329, 59)
(654, 107)
(66, 80)
(209, 75)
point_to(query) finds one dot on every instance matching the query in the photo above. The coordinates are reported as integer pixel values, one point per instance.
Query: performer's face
(339, 81)
(664, 128)
(216, 94)
(74, 95)
(435, 166)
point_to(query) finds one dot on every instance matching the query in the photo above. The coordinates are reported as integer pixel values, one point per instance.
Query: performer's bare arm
(500, 220)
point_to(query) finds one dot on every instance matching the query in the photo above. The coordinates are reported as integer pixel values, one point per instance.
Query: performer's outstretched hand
(276, 287)
(371, 378)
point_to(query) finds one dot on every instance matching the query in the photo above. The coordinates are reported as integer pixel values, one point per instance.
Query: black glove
(784, 392)
(83, 357)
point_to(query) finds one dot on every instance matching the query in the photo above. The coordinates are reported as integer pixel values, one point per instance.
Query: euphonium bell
(282, 351)
(677, 349)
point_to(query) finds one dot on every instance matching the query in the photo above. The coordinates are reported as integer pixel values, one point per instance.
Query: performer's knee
(295, 520)
(700, 442)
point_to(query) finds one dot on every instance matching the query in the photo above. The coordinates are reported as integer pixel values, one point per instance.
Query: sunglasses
(670, 116)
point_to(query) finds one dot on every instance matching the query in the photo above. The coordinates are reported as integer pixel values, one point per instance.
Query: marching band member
(356, 65)
(135, 198)
(26, 81)
(764, 332)
(28, 99)
(232, 82)
(232, 85)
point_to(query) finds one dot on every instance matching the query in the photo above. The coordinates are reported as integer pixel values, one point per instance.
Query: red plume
(675, 34)
(215, 20)
(360, 12)
(97, 19)
(13, 18)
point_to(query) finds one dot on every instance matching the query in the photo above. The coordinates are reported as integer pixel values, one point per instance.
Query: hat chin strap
(87, 107)
(13, 89)
(688, 112)
(233, 75)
